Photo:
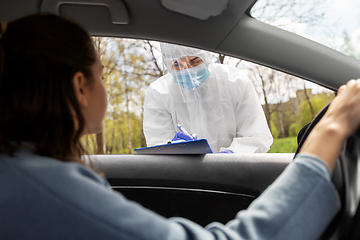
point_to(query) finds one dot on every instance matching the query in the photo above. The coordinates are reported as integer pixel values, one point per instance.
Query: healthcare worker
(214, 101)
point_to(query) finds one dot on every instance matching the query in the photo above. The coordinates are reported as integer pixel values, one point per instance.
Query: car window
(333, 23)
(131, 65)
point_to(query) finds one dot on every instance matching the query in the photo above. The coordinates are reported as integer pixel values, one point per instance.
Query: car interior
(210, 187)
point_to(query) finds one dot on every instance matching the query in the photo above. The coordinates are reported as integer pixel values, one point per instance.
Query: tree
(273, 88)
(129, 67)
(350, 45)
(102, 46)
(319, 101)
(309, 102)
(137, 66)
(296, 11)
(152, 70)
(141, 68)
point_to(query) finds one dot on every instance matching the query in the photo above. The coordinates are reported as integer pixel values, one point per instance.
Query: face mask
(191, 78)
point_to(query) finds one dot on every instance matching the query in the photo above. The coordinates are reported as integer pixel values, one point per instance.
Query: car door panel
(203, 188)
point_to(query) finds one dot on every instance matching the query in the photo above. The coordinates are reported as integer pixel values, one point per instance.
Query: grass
(284, 145)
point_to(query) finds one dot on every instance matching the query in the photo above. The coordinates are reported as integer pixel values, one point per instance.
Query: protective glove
(226, 151)
(183, 136)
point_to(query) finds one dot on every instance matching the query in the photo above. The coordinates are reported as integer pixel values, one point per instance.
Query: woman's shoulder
(29, 166)
(56, 193)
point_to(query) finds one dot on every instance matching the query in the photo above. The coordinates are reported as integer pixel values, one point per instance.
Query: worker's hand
(183, 136)
(226, 151)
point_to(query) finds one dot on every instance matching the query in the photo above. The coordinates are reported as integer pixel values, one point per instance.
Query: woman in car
(52, 93)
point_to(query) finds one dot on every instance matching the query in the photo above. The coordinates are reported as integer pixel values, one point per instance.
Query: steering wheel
(346, 224)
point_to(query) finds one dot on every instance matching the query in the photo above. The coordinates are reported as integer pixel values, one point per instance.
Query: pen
(184, 131)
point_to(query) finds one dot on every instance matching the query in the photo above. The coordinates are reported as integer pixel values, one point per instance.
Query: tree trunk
(113, 140)
(143, 140)
(221, 58)
(298, 111)
(129, 127)
(267, 111)
(282, 130)
(100, 143)
(266, 106)
(309, 102)
(128, 118)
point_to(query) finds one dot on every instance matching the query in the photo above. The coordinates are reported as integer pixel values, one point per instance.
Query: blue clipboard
(200, 146)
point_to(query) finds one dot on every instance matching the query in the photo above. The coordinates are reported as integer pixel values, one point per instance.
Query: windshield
(333, 23)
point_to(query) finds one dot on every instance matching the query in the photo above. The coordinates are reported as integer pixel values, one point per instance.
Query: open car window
(131, 65)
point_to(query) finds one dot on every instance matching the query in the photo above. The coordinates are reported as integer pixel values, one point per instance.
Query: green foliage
(274, 130)
(117, 133)
(284, 145)
(116, 136)
(294, 129)
(89, 143)
(126, 73)
(318, 102)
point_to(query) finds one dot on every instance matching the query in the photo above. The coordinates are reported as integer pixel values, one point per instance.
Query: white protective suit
(224, 109)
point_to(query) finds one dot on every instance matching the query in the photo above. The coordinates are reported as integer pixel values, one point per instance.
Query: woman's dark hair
(39, 55)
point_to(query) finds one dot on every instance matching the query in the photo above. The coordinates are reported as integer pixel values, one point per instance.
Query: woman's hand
(345, 109)
(339, 122)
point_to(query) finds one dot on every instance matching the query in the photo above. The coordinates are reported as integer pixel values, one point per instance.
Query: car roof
(229, 30)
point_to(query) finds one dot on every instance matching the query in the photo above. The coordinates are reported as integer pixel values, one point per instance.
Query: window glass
(131, 65)
(334, 23)
(289, 103)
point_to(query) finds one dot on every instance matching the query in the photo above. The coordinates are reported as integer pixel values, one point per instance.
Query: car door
(203, 188)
